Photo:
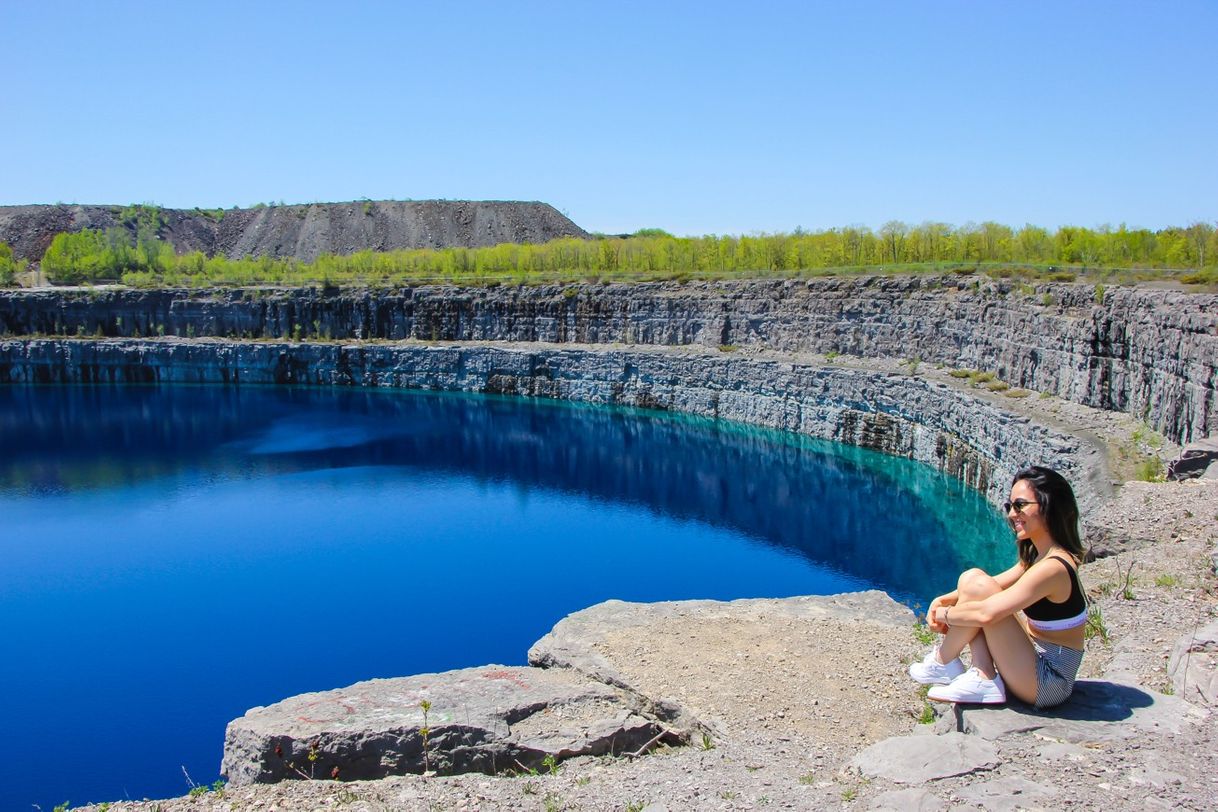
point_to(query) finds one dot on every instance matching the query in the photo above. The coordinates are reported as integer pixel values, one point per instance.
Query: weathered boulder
(1195, 460)
(1193, 666)
(489, 719)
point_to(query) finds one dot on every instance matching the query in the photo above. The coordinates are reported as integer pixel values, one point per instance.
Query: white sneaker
(932, 672)
(971, 687)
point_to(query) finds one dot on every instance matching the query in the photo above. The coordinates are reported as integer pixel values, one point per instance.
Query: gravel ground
(788, 714)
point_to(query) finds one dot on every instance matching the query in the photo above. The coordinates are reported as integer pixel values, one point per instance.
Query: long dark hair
(1059, 509)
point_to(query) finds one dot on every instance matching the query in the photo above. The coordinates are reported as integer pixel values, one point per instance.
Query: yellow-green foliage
(8, 266)
(140, 258)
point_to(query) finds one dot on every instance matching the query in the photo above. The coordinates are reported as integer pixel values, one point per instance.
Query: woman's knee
(977, 583)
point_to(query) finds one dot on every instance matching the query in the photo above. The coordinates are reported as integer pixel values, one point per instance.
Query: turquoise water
(176, 555)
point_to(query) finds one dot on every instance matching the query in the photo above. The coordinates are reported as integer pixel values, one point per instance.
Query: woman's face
(1027, 523)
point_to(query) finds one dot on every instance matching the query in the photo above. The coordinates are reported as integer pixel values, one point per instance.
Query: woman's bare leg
(958, 637)
(1003, 647)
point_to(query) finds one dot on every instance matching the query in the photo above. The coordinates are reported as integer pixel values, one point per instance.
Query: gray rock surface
(1097, 711)
(1011, 792)
(1193, 666)
(919, 759)
(915, 799)
(489, 719)
(1195, 460)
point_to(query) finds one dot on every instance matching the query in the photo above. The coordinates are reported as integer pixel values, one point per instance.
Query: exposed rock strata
(904, 415)
(305, 231)
(490, 719)
(1146, 352)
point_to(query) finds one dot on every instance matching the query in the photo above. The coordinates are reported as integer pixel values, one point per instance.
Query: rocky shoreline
(803, 703)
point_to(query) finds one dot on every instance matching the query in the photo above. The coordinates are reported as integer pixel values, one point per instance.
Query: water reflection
(895, 524)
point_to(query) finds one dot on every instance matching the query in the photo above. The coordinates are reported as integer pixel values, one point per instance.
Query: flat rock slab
(1097, 711)
(918, 759)
(488, 719)
(757, 670)
(1010, 793)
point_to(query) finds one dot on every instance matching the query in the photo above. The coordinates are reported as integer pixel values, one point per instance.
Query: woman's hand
(933, 612)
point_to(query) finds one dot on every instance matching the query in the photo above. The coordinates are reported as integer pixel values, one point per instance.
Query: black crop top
(1076, 604)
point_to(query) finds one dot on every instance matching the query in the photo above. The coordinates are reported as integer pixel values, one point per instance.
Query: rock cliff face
(1146, 352)
(897, 414)
(305, 231)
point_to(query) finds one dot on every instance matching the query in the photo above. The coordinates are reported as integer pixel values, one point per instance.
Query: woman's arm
(1036, 583)
(933, 615)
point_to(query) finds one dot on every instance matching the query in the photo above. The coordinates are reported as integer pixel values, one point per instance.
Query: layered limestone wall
(898, 414)
(1147, 352)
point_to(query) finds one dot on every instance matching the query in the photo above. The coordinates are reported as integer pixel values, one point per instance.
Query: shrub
(8, 266)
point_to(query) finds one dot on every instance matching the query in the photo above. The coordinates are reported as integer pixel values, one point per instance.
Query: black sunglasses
(1018, 504)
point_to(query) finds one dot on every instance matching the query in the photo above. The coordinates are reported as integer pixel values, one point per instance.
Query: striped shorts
(1056, 668)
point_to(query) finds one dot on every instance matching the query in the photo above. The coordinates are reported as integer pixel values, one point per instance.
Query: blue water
(173, 556)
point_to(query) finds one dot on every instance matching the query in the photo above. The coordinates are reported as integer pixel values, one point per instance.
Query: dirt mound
(303, 232)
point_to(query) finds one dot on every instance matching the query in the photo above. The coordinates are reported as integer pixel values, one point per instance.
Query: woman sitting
(1034, 654)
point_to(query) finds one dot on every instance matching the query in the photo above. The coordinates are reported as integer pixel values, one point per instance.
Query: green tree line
(141, 259)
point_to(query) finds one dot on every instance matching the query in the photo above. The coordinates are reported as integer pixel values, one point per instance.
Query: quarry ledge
(955, 430)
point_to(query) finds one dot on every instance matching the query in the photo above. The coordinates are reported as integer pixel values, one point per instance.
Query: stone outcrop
(904, 415)
(1147, 352)
(490, 719)
(305, 231)
(591, 690)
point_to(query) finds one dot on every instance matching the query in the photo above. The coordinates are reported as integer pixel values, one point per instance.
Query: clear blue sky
(697, 117)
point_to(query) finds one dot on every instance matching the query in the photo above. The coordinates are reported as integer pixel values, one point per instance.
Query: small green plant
(728, 795)
(924, 634)
(928, 714)
(1127, 576)
(550, 763)
(1149, 470)
(103, 807)
(425, 732)
(1095, 625)
(531, 788)
(635, 806)
(551, 803)
(998, 386)
(197, 792)
(707, 742)
(1166, 581)
(190, 331)
(961, 373)
(832, 355)
(346, 796)
(583, 781)
(1019, 393)
(1099, 294)
(63, 807)
(296, 330)
(913, 362)
(1047, 299)
(807, 779)
(160, 330)
(728, 347)
(849, 794)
